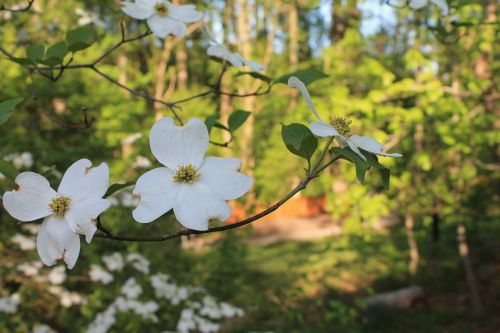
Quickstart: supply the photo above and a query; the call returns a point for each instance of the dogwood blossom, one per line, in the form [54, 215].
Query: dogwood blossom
[163, 17]
[419, 4]
[67, 212]
[233, 58]
[341, 128]
[194, 186]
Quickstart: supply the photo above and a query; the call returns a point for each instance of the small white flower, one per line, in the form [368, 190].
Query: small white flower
[30, 268]
[57, 275]
[194, 186]
[139, 262]
[141, 162]
[67, 212]
[99, 274]
[25, 243]
[131, 289]
[9, 304]
[341, 130]
[114, 262]
[419, 4]
[163, 17]
[233, 58]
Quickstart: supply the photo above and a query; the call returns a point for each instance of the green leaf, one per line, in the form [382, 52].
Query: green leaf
[8, 170]
[385, 175]
[117, 187]
[299, 140]
[220, 125]
[210, 121]
[349, 155]
[363, 166]
[58, 50]
[255, 75]
[6, 108]
[35, 52]
[307, 76]
[56, 53]
[236, 119]
[22, 61]
[79, 39]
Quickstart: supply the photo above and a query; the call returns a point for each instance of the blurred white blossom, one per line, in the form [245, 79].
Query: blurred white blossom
[114, 262]
[39, 328]
[31, 268]
[99, 274]
[131, 289]
[88, 17]
[57, 275]
[20, 160]
[10, 303]
[139, 262]
[141, 162]
[24, 242]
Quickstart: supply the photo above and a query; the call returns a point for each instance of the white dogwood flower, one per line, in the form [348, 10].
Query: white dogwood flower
[163, 17]
[235, 59]
[67, 212]
[419, 4]
[340, 129]
[194, 186]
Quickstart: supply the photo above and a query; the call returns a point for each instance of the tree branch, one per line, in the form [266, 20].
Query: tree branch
[17, 10]
[316, 170]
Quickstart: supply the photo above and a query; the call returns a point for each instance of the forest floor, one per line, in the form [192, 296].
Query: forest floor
[319, 285]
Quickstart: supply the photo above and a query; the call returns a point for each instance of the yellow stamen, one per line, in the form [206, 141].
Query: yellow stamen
[161, 9]
[342, 125]
[186, 174]
[59, 206]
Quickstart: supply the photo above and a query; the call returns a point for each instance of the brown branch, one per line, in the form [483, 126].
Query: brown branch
[86, 123]
[17, 10]
[316, 170]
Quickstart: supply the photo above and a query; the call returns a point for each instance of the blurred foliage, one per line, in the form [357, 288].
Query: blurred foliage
[425, 85]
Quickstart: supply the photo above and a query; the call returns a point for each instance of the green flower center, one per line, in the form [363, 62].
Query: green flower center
[186, 174]
[342, 125]
[59, 206]
[161, 9]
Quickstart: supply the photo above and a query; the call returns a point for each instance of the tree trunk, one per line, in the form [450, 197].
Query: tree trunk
[463, 250]
[293, 47]
[412, 244]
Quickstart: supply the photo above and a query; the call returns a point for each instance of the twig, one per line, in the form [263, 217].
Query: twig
[17, 10]
[105, 233]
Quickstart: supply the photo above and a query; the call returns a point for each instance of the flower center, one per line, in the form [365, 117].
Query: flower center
[59, 206]
[186, 174]
[342, 125]
[161, 9]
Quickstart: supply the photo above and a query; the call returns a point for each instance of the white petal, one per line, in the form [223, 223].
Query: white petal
[294, 82]
[31, 201]
[196, 204]
[443, 5]
[371, 145]
[220, 51]
[162, 26]
[56, 241]
[81, 181]
[417, 4]
[255, 66]
[353, 147]
[137, 10]
[157, 192]
[222, 176]
[82, 213]
[323, 130]
[174, 146]
[184, 13]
